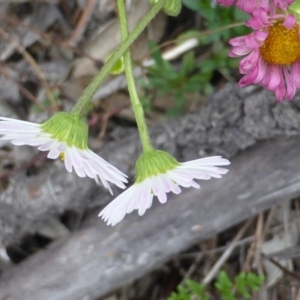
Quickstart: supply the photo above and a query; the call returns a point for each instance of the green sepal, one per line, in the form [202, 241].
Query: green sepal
[171, 7]
[295, 8]
[153, 163]
[69, 128]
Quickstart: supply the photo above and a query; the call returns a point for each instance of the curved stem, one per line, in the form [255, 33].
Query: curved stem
[134, 98]
[83, 102]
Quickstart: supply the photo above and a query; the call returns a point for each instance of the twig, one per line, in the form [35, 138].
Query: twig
[284, 254]
[216, 250]
[246, 267]
[215, 269]
[285, 270]
[269, 222]
[286, 228]
[242, 242]
[81, 25]
[192, 268]
[33, 64]
[258, 243]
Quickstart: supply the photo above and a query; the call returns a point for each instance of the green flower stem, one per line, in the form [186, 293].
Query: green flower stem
[135, 101]
[82, 105]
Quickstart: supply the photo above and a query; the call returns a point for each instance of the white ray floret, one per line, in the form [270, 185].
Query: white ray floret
[83, 161]
[140, 195]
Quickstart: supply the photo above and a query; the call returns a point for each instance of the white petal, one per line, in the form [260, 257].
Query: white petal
[86, 163]
[88, 169]
[68, 160]
[73, 157]
[114, 212]
[62, 147]
[106, 184]
[174, 187]
[148, 201]
[54, 152]
[209, 161]
[47, 145]
[103, 169]
[77, 158]
[15, 121]
[110, 168]
[146, 196]
[158, 189]
[22, 132]
[80, 172]
[195, 185]
[135, 202]
[17, 129]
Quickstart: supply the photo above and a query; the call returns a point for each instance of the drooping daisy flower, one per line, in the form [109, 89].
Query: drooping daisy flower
[272, 55]
[64, 135]
[158, 173]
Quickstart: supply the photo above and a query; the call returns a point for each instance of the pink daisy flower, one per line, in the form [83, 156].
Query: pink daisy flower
[272, 55]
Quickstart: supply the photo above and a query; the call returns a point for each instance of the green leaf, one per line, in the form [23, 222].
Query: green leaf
[241, 285]
[197, 288]
[192, 4]
[181, 294]
[224, 285]
[188, 63]
[247, 282]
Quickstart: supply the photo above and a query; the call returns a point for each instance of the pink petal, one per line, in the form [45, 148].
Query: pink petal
[289, 22]
[273, 77]
[247, 63]
[295, 73]
[290, 86]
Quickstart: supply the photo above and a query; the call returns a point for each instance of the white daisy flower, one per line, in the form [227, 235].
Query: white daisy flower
[158, 173]
[64, 135]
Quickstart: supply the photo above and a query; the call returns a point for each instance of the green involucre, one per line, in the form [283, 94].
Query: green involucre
[153, 163]
[69, 128]
[171, 7]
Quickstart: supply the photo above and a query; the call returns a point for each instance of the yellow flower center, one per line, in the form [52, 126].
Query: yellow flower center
[62, 156]
[281, 46]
